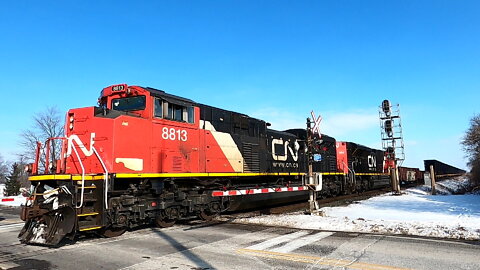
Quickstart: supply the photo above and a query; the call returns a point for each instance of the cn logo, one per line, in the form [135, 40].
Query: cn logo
[287, 149]
[74, 138]
[372, 162]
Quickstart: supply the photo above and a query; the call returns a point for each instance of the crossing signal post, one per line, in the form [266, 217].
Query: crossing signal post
[313, 181]
[392, 140]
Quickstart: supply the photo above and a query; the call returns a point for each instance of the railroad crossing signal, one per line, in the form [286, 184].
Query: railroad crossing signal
[316, 125]
[313, 181]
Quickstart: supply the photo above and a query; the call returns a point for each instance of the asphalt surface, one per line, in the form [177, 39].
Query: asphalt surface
[223, 245]
[9, 215]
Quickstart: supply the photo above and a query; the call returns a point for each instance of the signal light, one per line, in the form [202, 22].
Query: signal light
[389, 128]
[386, 107]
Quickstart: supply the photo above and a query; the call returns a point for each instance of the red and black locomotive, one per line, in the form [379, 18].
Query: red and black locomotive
[144, 156]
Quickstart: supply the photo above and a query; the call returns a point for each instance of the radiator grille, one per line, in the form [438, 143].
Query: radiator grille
[251, 157]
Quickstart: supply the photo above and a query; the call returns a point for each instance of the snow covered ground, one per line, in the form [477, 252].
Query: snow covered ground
[413, 213]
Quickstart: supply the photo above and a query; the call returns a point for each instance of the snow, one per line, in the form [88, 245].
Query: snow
[415, 212]
[17, 201]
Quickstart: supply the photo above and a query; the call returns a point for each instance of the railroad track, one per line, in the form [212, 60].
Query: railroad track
[299, 206]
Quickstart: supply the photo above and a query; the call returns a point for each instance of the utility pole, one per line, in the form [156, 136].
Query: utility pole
[432, 178]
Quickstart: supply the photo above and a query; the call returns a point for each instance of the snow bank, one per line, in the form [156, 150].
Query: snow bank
[413, 213]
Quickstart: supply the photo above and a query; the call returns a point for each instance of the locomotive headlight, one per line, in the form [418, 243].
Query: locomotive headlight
[71, 119]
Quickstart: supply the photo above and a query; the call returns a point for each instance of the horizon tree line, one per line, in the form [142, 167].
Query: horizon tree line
[46, 124]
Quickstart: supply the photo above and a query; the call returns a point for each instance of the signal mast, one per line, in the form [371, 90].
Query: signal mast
[392, 140]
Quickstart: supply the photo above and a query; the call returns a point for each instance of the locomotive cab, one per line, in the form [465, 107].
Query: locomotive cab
[135, 131]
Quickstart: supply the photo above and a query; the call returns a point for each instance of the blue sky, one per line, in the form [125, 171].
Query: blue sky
[275, 60]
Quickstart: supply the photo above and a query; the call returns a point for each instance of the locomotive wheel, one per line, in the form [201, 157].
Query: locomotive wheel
[206, 215]
[112, 232]
[164, 222]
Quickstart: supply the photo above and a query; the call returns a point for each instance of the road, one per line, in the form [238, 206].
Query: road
[222, 245]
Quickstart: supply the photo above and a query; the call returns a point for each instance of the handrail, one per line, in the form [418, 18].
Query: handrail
[37, 158]
[106, 176]
[83, 177]
[353, 173]
[63, 165]
[47, 153]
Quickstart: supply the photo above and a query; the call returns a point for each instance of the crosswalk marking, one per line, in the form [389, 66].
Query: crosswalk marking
[278, 240]
[300, 242]
[280, 248]
[13, 226]
[315, 260]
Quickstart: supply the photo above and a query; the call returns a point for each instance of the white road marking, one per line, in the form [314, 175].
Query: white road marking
[8, 265]
[278, 240]
[302, 241]
[11, 226]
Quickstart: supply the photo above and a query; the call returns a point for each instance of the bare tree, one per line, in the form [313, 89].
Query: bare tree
[471, 145]
[46, 124]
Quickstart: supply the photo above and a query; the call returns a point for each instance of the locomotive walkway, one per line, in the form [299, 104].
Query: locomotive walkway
[219, 245]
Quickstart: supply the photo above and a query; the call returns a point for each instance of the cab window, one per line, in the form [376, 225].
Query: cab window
[172, 111]
[158, 108]
[136, 103]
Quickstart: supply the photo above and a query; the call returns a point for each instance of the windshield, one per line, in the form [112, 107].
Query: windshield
[129, 104]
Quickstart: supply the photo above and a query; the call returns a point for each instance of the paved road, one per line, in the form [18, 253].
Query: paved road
[9, 215]
[235, 246]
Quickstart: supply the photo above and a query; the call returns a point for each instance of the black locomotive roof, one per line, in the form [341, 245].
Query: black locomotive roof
[169, 97]
[302, 134]
[280, 133]
[188, 102]
[363, 147]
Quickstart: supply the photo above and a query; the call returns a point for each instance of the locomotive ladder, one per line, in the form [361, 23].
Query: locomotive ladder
[351, 176]
[89, 216]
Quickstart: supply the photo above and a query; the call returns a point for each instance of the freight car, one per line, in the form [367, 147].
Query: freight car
[442, 170]
[145, 156]
[410, 176]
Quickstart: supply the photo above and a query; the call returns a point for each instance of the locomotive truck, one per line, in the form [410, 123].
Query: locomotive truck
[144, 156]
